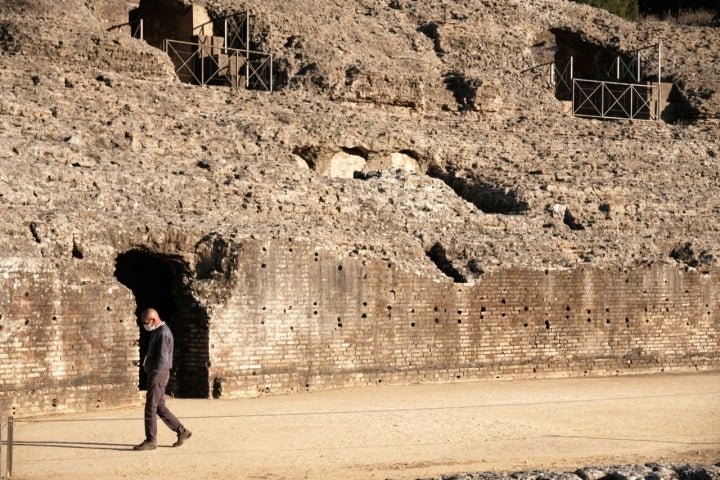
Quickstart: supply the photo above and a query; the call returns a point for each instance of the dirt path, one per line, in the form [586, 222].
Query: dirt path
[392, 432]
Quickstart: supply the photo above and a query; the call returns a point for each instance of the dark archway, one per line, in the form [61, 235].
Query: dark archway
[157, 282]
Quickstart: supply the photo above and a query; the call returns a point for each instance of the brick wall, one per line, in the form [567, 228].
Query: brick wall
[306, 319]
[66, 343]
[292, 317]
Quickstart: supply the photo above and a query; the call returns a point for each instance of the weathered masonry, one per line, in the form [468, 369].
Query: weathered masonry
[281, 316]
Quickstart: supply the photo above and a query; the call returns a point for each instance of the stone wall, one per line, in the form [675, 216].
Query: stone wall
[301, 318]
[68, 343]
[286, 316]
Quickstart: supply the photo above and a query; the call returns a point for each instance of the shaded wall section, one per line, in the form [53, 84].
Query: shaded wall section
[157, 281]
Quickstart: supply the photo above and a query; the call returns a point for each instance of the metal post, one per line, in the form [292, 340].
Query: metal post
[617, 68]
[247, 33]
[10, 447]
[271, 75]
[2, 475]
[572, 69]
[657, 119]
[637, 75]
[225, 42]
[202, 64]
[142, 31]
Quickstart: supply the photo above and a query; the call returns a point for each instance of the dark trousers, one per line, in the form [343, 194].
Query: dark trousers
[155, 406]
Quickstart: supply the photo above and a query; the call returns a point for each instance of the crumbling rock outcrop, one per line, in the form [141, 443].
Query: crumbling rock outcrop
[404, 134]
[649, 471]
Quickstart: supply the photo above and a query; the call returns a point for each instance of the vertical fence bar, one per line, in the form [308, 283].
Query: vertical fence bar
[659, 90]
[271, 74]
[9, 448]
[247, 32]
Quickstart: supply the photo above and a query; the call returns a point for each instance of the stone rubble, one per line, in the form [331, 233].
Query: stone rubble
[649, 471]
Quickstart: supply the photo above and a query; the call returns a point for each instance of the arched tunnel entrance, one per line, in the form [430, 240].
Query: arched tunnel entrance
[157, 282]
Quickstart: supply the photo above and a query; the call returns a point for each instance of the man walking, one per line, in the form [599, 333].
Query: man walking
[157, 365]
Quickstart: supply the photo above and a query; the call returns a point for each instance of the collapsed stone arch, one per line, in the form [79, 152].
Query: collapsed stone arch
[157, 281]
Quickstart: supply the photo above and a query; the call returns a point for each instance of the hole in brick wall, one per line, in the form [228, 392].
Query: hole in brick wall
[438, 256]
[547, 325]
[412, 324]
[157, 281]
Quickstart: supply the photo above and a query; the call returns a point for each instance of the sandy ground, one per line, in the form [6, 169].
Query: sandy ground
[394, 432]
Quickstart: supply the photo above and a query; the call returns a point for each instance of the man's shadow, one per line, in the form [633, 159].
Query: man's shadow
[80, 445]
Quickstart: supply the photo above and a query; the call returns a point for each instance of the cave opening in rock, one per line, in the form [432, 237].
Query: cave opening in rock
[157, 281]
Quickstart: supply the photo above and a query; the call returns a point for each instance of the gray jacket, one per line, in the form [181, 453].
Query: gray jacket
[160, 351]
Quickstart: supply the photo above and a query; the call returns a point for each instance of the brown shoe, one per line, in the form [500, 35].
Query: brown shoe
[182, 436]
[146, 445]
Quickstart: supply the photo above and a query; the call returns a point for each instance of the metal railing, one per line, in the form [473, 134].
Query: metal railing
[629, 69]
[607, 99]
[136, 28]
[558, 75]
[612, 100]
[206, 64]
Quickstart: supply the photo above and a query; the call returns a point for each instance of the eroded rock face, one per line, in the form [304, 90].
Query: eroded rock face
[99, 118]
[402, 132]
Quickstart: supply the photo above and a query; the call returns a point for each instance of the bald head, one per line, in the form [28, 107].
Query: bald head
[151, 318]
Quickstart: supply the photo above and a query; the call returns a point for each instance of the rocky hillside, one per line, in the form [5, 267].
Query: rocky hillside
[102, 148]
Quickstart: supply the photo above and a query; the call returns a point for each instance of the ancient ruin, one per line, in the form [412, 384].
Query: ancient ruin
[413, 202]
